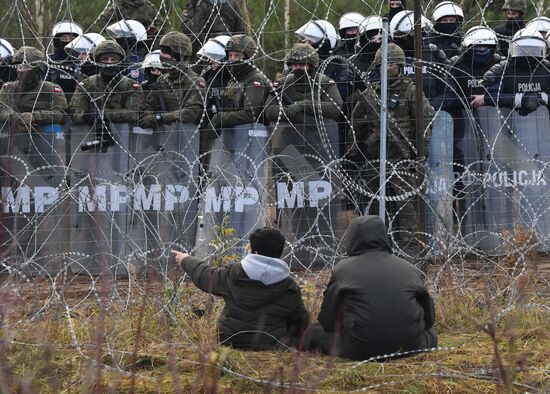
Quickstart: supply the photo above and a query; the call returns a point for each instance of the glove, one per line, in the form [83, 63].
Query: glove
[216, 122]
[529, 102]
[168, 117]
[147, 120]
[89, 118]
[23, 121]
[292, 110]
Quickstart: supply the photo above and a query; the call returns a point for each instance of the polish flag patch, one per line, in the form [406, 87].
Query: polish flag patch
[57, 89]
[258, 84]
[202, 84]
[136, 86]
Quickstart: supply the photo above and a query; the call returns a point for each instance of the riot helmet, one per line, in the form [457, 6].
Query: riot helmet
[83, 44]
[64, 29]
[214, 49]
[6, 50]
[480, 43]
[320, 34]
[402, 24]
[370, 34]
[127, 28]
[443, 11]
[527, 43]
[152, 66]
[541, 24]
[349, 20]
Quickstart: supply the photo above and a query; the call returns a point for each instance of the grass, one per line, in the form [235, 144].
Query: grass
[148, 335]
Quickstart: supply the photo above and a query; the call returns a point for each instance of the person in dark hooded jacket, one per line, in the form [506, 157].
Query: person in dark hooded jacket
[263, 305]
[375, 303]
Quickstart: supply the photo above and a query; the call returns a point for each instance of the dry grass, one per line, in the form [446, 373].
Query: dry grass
[145, 337]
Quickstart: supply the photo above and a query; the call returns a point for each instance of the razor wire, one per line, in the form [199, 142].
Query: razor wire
[291, 182]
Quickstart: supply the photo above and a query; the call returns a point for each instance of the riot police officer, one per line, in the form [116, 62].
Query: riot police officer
[62, 69]
[179, 94]
[401, 146]
[321, 35]
[211, 60]
[515, 10]
[541, 24]
[479, 49]
[369, 41]
[30, 101]
[434, 61]
[81, 49]
[107, 95]
[244, 97]
[448, 18]
[152, 68]
[131, 36]
[297, 89]
[521, 81]
[7, 70]
[348, 28]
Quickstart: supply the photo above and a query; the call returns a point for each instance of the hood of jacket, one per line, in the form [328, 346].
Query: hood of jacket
[366, 234]
[267, 270]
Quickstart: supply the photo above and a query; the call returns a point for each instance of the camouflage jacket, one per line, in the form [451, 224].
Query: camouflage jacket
[120, 100]
[177, 99]
[243, 100]
[46, 102]
[401, 125]
[300, 101]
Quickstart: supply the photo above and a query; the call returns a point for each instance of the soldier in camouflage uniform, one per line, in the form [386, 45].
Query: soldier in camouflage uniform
[515, 12]
[30, 101]
[244, 98]
[109, 94]
[142, 11]
[204, 19]
[401, 146]
[295, 91]
[179, 94]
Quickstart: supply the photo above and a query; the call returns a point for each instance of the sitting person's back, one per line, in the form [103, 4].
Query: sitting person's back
[263, 305]
[375, 303]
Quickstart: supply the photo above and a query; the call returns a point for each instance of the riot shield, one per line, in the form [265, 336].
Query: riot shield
[34, 231]
[164, 166]
[439, 220]
[528, 153]
[100, 194]
[306, 186]
[234, 198]
[487, 196]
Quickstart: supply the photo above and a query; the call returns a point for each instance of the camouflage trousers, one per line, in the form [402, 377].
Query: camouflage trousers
[401, 202]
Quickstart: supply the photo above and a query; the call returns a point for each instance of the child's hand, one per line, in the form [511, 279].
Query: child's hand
[179, 256]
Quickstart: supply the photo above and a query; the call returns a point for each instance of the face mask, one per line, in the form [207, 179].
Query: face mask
[29, 79]
[109, 72]
[527, 62]
[237, 66]
[371, 47]
[447, 28]
[481, 56]
[299, 73]
[406, 43]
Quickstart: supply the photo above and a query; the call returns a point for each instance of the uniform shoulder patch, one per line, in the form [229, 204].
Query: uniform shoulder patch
[136, 86]
[202, 84]
[57, 89]
[257, 84]
[134, 74]
[331, 81]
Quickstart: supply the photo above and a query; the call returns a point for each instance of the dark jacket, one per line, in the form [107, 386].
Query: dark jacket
[375, 300]
[259, 313]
